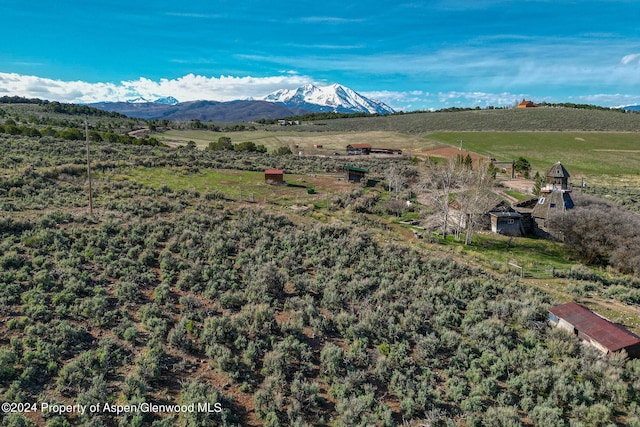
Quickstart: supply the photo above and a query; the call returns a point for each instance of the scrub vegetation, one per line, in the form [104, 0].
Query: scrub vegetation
[184, 293]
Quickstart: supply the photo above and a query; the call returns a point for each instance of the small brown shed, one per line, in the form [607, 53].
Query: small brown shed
[274, 176]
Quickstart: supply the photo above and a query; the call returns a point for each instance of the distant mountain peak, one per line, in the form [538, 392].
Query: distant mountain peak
[167, 100]
[282, 103]
[335, 97]
[138, 100]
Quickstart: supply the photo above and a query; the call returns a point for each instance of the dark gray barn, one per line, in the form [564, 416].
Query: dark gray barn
[555, 198]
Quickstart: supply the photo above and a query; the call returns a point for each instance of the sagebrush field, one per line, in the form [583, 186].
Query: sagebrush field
[194, 281]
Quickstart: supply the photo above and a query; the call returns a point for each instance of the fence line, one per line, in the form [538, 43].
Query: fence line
[536, 270]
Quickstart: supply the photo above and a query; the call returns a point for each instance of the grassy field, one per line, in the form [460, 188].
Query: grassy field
[588, 153]
[592, 155]
[534, 119]
[306, 141]
[534, 254]
[240, 185]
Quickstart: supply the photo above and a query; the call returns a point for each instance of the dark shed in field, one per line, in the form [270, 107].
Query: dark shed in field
[507, 223]
[274, 176]
[606, 336]
[355, 174]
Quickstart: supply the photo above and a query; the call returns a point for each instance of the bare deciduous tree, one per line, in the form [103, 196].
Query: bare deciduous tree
[439, 182]
[395, 179]
[473, 198]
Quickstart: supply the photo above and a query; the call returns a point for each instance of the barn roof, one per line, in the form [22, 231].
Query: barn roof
[610, 335]
[355, 169]
[553, 201]
[526, 204]
[508, 215]
[527, 104]
[359, 146]
[558, 171]
[273, 172]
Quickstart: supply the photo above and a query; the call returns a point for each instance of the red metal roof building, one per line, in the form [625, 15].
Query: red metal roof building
[594, 329]
[274, 176]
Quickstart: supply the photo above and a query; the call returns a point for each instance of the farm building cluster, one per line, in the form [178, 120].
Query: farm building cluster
[527, 217]
[366, 149]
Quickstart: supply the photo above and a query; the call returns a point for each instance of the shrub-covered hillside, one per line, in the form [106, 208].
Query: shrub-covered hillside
[170, 297]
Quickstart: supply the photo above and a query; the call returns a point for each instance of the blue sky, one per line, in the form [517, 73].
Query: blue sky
[408, 54]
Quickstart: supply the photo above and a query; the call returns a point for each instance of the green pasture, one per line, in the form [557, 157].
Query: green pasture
[534, 254]
[517, 195]
[583, 153]
[233, 184]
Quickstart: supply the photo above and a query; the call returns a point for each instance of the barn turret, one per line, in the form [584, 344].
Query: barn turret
[557, 178]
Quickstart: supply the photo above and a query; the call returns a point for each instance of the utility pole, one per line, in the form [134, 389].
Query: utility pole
[86, 129]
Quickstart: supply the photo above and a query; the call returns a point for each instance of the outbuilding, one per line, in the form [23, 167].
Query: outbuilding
[274, 176]
[593, 329]
[355, 174]
[508, 223]
[527, 104]
[358, 149]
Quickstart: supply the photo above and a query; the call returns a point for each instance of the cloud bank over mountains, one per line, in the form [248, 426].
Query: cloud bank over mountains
[186, 88]
[193, 87]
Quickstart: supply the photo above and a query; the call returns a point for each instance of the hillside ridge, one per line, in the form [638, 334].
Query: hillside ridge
[508, 120]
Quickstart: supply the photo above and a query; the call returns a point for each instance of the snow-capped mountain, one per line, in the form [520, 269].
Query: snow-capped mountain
[167, 100]
[279, 104]
[138, 100]
[334, 98]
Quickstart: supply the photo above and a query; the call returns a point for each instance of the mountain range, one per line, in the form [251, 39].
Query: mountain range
[279, 104]
[335, 98]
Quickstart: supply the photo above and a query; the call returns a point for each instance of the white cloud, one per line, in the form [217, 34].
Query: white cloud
[226, 88]
[186, 88]
[421, 100]
[330, 20]
[628, 59]
[607, 100]
[194, 15]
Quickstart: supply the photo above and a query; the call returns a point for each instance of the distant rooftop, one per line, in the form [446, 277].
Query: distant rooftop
[527, 104]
